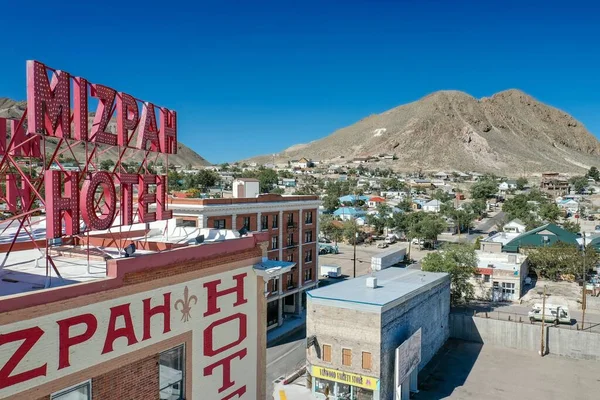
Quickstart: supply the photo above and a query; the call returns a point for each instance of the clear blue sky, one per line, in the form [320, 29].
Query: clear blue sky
[254, 77]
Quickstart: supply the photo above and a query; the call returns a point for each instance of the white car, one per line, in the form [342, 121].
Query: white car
[418, 241]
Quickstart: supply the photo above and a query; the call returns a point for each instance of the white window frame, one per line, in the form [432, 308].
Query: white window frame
[65, 391]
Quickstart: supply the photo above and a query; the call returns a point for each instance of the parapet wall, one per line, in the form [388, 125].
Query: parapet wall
[562, 342]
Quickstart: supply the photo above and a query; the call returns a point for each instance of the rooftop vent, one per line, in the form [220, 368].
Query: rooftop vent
[372, 282]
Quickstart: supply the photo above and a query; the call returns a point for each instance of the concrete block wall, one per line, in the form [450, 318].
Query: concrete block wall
[562, 342]
[515, 335]
[580, 345]
[428, 311]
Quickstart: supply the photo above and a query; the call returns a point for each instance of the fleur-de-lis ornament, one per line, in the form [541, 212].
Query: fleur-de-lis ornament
[186, 305]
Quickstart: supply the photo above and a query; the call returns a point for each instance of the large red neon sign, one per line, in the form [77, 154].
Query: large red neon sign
[58, 106]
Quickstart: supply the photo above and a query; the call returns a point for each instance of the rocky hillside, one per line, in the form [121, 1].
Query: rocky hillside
[510, 132]
[12, 109]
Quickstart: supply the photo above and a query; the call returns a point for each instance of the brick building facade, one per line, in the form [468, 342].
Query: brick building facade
[291, 223]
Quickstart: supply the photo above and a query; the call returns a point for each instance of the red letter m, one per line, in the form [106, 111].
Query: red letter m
[48, 104]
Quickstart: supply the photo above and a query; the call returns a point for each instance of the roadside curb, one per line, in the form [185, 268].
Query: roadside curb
[294, 376]
[282, 338]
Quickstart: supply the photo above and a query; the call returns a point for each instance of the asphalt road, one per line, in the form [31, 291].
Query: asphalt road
[285, 358]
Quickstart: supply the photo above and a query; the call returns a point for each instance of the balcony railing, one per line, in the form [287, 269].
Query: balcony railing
[291, 285]
[292, 225]
[291, 244]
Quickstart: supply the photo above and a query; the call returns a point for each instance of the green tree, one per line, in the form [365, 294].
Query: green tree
[107, 165]
[458, 260]
[206, 179]
[572, 227]
[484, 189]
[393, 184]
[376, 222]
[579, 183]
[268, 179]
[561, 260]
[350, 229]
[277, 190]
[549, 212]
[331, 203]
[521, 183]
[442, 196]
[594, 174]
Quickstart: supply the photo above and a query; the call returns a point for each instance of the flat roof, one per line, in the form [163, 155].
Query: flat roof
[25, 268]
[501, 237]
[394, 286]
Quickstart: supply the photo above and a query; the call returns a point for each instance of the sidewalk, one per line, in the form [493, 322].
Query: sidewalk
[294, 391]
[290, 326]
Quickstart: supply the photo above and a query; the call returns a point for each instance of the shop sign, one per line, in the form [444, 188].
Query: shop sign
[365, 382]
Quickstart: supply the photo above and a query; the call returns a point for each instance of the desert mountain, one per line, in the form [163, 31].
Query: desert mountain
[510, 132]
[12, 109]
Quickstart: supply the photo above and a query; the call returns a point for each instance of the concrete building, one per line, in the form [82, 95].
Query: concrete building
[495, 243]
[168, 320]
[515, 226]
[354, 328]
[291, 223]
[500, 276]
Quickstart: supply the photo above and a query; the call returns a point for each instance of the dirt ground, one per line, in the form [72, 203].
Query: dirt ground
[472, 371]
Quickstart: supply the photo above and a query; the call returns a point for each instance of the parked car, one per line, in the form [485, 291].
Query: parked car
[324, 240]
[390, 239]
[382, 245]
[330, 271]
[492, 233]
[418, 241]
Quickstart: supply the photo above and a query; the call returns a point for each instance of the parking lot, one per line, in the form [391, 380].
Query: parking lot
[469, 371]
[363, 257]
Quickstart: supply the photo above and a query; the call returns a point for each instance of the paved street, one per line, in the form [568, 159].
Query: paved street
[285, 358]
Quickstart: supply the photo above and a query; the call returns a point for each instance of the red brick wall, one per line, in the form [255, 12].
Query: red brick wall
[138, 380]
[211, 221]
[311, 265]
[313, 225]
[271, 230]
[239, 222]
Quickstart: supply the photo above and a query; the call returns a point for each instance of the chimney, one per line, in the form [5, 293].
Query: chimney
[372, 282]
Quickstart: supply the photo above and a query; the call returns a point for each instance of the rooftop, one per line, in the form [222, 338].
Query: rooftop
[501, 237]
[394, 286]
[499, 260]
[87, 257]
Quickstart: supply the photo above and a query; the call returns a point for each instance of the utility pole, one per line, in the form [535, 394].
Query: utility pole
[583, 290]
[354, 258]
[543, 321]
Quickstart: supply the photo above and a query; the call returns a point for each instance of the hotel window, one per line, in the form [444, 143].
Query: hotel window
[308, 237]
[274, 242]
[290, 257]
[290, 239]
[326, 353]
[172, 374]
[308, 275]
[219, 224]
[366, 360]
[290, 220]
[182, 222]
[264, 222]
[275, 221]
[246, 223]
[347, 357]
[486, 278]
[82, 391]
[308, 256]
[308, 219]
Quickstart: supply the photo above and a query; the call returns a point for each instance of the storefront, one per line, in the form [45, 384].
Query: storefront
[339, 385]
